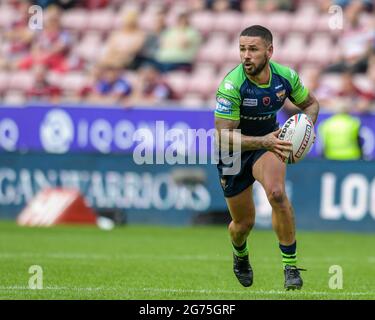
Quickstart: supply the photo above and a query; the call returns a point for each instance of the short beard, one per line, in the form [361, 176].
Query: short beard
[259, 68]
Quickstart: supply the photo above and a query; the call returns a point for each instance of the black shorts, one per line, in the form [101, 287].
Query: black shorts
[235, 184]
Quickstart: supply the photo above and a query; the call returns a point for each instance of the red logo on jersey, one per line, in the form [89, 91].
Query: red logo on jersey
[266, 101]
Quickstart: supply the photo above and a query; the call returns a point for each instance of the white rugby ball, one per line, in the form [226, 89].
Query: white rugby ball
[299, 130]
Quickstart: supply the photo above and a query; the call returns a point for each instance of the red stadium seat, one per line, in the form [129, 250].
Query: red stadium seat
[147, 21]
[363, 82]
[4, 79]
[280, 22]
[292, 51]
[14, 98]
[203, 21]
[320, 50]
[75, 19]
[225, 68]
[92, 37]
[54, 78]
[304, 24]
[201, 83]
[229, 22]
[193, 101]
[205, 67]
[174, 11]
[21, 80]
[102, 20]
[178, 81]
[323, 24]
[254, 18]
[89, 49]
[7, 16]
[73, 81]
[233, 53]
[214, 50]
[332, 81]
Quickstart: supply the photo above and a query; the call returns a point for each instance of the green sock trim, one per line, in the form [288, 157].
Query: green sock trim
[240, 253]
[288, 255]
[289, 259]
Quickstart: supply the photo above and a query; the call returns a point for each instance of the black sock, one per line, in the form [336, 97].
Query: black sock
[240, 251]
[289, 254]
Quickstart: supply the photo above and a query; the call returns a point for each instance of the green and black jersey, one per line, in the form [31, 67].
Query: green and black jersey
[239, 98]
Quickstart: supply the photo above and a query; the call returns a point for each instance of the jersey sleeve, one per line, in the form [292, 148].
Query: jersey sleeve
[299, 91]
[228, 101]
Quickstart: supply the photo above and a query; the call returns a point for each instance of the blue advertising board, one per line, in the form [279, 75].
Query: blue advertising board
[62, 130]
[326, 195]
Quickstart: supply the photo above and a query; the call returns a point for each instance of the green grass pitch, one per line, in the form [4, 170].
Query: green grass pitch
[194, 263]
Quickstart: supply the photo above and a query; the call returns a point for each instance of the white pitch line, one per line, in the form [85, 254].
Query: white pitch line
[182, 291]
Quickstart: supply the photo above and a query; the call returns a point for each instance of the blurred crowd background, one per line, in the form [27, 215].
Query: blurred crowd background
[176, 52]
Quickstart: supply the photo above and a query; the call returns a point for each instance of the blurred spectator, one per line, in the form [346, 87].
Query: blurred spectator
[123, 46]
[276, 5]
[52, 44]
[64, 4]
[42, 89]
[18, 36]
[371, 69]
[67, 4]
[268, 6]
[151, 88]
[152, 42]
[359, 99]
[355, 42]
[368, 5]
[324, 5]
[223, 5]
[110, 87]
[197, 5]
[179, 46]
[44, 3]
[325, 94]
[94, 4]
[340, 135]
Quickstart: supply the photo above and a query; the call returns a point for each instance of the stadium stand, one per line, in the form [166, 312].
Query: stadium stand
[92, 32]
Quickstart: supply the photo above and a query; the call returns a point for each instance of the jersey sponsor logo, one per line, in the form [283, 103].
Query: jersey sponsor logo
[247, 102]
[258, 118]
[266, 101]
[228, 85]
[223, 109]
[281, 95]
[224, 101]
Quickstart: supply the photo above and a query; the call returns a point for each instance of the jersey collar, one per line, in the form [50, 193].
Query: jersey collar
[267, 85]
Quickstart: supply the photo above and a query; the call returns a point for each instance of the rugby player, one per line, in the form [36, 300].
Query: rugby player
[248, 99]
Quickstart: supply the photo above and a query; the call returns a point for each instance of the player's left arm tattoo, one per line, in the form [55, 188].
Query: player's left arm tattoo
[310, 106]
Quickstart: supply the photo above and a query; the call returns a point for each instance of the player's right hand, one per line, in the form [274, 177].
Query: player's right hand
[280, 148]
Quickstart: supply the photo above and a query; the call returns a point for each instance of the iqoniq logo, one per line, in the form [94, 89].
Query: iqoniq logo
[56, 131]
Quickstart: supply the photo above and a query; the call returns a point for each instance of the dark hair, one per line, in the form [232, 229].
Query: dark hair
[258, 31]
